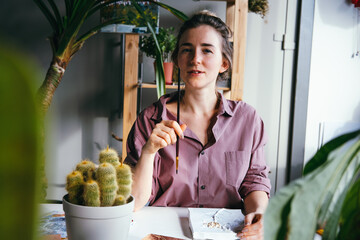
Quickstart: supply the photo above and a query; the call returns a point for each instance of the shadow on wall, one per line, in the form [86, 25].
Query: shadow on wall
[101, 107]
[329, 8]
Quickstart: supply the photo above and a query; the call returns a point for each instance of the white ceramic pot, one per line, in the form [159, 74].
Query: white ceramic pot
[96, 223]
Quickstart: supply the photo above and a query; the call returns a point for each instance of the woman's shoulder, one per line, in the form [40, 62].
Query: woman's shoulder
[240, 107]
[155, 110]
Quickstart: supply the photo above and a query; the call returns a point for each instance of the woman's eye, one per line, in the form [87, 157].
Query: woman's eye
[207, 51]
[185, 50]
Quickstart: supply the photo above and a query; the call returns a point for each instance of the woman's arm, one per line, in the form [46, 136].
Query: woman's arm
[255, 205]
[162, 135]
[142, 180]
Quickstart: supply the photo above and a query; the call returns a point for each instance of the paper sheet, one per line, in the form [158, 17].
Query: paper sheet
[215, 223]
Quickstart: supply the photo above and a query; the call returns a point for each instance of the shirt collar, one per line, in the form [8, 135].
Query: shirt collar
[224, 106]
[160, 112]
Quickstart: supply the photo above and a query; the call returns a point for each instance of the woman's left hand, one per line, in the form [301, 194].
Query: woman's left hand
[253, 227]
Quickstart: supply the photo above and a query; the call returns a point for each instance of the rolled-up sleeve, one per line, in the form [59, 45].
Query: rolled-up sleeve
[256, 178]
[134, 144]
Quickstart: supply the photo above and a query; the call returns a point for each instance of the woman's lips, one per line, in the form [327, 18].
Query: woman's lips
[195, 72]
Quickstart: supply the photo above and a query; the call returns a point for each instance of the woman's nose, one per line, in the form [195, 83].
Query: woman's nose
[195, 58]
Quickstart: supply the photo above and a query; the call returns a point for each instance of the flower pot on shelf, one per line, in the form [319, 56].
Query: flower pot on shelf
[94, 223]
[168, 72]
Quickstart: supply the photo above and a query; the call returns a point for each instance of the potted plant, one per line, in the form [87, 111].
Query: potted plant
[325, 200]
[167, 43]
[98, 204]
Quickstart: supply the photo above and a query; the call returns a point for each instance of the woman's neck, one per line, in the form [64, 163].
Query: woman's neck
[200, 102]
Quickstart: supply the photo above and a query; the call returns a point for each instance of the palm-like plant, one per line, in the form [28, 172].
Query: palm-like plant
[65, 40]
[326, 198]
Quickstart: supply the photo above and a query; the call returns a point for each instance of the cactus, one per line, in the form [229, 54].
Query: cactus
[91, 194]
[124, 180]
[119, 200]
[109, 155]
[107, 185]
[74, 186]
[106, 176]
[87, 169]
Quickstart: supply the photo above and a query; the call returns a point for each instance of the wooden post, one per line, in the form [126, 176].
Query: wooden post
[240, 11]
[130, 85]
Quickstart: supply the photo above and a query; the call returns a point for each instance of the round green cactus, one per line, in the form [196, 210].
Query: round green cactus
[91, 194]
[109, 155]
[119, 200]
[106, 178]
[87, 169]
[109, 184]
[124, 180]
[74, 186]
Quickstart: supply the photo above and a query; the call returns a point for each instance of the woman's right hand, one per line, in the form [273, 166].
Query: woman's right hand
[163, 134]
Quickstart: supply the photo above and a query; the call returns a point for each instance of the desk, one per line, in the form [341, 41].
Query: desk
[167, 221]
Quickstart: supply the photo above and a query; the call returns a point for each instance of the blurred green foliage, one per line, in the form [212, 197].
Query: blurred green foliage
[326, 198]
[19, 147]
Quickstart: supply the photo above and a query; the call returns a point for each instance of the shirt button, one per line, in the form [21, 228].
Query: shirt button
[202, 152]
[203, 187]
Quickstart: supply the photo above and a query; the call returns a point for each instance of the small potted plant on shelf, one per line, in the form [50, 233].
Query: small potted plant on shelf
[98, 204]
[167, 43]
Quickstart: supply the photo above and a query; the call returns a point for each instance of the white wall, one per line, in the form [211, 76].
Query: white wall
[334, 88]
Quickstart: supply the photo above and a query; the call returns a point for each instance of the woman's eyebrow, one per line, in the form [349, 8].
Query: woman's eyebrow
[186, 44]
[207, 45]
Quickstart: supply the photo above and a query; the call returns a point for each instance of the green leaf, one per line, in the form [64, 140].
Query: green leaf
[95, 29]
[350, 214]
[20, 137]
[80, 10]
[47, 14]
[159, 76]
[321, 156]
[68, 7]
[318, 184]
[334, 210]
[340, 182]
[276, 215]
[57, 14]
[159, 70]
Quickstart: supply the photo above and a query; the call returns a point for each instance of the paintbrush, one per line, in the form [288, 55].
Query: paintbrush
[178, 120]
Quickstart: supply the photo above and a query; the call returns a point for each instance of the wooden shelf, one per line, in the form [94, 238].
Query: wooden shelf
[174, 86]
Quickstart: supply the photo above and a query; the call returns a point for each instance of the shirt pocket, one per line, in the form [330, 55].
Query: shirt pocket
[237, 165]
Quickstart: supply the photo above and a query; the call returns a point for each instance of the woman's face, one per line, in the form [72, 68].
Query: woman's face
[200, 57]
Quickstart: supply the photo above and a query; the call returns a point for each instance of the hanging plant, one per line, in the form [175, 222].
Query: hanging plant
[259, 7]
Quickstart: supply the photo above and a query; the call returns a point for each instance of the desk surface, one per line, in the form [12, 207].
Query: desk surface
[169, 221]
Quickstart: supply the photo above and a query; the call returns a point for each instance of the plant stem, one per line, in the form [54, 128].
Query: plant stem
[50, 84]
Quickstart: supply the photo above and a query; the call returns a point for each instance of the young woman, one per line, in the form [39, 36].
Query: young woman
[221, 159]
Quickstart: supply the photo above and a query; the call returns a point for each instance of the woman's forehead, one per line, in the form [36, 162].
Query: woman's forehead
[202, 35]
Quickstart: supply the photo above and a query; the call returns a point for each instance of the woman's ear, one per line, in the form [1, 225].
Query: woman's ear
[224, 66]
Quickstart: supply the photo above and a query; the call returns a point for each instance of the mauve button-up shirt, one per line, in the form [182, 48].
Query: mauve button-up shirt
[219, 174]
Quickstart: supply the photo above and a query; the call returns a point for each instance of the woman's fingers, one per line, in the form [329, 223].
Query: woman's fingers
[179, 130]
[164, 134]
[253, 227]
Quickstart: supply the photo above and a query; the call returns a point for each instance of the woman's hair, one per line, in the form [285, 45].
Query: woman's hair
[206, 17]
